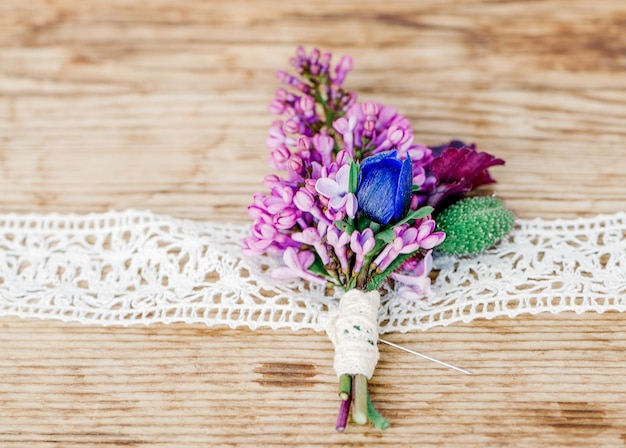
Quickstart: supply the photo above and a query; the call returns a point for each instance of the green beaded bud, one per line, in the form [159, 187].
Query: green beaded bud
[474, 224]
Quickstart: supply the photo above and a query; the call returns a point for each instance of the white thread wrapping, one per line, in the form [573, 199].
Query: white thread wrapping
[353, 329]
[128, 268]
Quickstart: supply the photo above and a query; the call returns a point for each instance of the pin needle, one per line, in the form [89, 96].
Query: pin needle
[450, 366]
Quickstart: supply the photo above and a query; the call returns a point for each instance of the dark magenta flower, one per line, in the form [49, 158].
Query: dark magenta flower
[384, 187]
[457, 168]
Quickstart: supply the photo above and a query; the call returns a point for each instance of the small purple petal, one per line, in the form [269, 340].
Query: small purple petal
[351, 205]
[343, 178]
[328, 187]
[283, 273]
[433, 240]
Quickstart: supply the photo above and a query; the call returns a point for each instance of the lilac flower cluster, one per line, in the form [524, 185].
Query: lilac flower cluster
[355, 205]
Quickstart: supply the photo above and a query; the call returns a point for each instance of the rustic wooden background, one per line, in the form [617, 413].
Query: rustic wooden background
[161, 105]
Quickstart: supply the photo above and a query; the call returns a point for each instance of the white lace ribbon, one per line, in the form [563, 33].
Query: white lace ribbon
[123, 268]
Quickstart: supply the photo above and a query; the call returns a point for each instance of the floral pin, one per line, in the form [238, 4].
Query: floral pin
[362, 207]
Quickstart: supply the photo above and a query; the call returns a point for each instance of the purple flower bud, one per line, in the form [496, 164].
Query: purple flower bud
[371, 109]
[342, 69]
[325, 61]
[433, 240]
[282, 76]
[303, 144]
[419, 175]
[338, 240]
[307, 236]
[253, 246]
[343, 158]
[397, 135]
[277, 107]
[279, 157]
[275, 138]
[324, 145]
[292, 126]
[312, 237]
[271, 180]
[284, 192]
[264, 231]
[295, 163]
[307, 104]
[309, 184]
[361, 244]
[420, 154]
[386, 256]
[282, 95]
[351, 205]
[255, 212]
[416, 278]
[346, 127]
[341, 125]
[345, 64]
[426, 237]
[286, 219]
[408, 241]
[300, 53]
[302, 87]
[315, 55]
[297, 265]
[304, 200]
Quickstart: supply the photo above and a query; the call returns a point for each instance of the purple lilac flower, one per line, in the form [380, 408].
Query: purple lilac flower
[314, 237]
[426, 237]
[266, 238]
[342, 70]
[336, 190]
[405, 242]
[414, 276]
[361, 244]
[345, 127]
[371, 128]
[316, 69]
[339, 240]
[325, 145]
[296, 265]
[292, 81]
[408, 240]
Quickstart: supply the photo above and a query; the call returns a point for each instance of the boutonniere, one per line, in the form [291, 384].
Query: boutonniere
[363, 207]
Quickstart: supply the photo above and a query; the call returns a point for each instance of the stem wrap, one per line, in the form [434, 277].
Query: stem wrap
[353, 329]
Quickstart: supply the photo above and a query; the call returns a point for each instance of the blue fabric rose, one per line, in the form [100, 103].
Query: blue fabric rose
[385, 187]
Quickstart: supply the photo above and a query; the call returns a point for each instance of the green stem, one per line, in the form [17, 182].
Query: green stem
[328, 113]
[362, 278]
[342, 416]
[345, 386]
[374, 416]
[359, 411]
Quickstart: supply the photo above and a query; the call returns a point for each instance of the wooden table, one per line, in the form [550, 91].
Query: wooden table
[161, 105]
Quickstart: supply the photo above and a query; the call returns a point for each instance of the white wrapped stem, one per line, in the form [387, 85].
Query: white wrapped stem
[353, 329]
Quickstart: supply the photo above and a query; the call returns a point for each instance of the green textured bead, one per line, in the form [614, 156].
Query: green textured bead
[473, 225]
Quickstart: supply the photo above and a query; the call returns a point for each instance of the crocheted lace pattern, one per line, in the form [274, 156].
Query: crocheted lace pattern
[133, 267]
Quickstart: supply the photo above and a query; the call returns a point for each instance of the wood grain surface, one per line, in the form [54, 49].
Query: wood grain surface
[162, 105]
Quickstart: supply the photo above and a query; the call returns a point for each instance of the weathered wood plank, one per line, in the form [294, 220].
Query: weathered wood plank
[161, 105]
